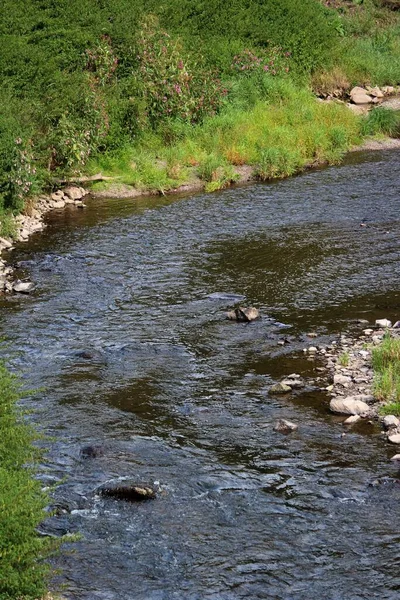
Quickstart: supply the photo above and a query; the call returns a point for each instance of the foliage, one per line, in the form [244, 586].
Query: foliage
[381, 120]
[173, 84]
[23, 573]
[344, 359]
[386, 365]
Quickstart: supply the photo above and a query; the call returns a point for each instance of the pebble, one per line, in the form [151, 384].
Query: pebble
[351, 420]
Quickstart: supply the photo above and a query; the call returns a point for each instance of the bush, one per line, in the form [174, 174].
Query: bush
[173, 85]
[277, 162]
[23, 573]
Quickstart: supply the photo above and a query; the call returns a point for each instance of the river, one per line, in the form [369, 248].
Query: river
[126, 343]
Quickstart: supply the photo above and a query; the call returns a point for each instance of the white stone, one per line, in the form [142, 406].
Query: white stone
[58, 204]
[394, 439]
[368, 331]
[383, 323]
[349, 406]
[5, 243]
[312, 350]
[23, 287]
[361, 99]
[390, 421]
[341, 379]
[351, 420]
[396, 458]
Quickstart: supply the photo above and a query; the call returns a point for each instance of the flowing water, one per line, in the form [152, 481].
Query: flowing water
[126, 341]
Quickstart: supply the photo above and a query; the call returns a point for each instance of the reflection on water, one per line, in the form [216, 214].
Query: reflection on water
[126, 338]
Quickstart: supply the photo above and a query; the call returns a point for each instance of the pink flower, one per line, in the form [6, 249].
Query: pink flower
[180, 64]
[266, 68]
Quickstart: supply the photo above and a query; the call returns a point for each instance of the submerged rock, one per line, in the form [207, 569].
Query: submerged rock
[351, 420]
[243, 314]
[126, 489]
[349, 406]
[284, 426]
[280, 388]
[91, 451]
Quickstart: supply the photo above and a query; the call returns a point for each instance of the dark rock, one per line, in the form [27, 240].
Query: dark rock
[91, 451]
[125, 489]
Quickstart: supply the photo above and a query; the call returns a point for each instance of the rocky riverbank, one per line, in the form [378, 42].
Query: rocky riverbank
[349, 375]
[30, 222]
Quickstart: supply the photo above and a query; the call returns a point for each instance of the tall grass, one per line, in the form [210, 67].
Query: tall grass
[282, 132]
[386, 364]
[23, 572]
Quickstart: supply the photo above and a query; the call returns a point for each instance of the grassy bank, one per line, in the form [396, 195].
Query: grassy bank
[278, 134]
[386, 365]
[23, 571]
[157, 93]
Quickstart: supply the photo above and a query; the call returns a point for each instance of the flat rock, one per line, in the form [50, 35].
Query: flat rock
[5, 243]
[394, 439]
[349, 406]
[396, 458]
[58, 204]
[280, 388]
[284, 426]
[351, 420]
[125, 489]
[341, 379]
[383, 323]
[23, 287]
[293, 383]
[361, 99]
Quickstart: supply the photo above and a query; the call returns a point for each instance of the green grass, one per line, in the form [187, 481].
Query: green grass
[279, 134]
[23, 572]
[344, 359]
[386, 365]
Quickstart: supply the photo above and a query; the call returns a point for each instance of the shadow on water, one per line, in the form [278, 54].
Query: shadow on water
[126, 337]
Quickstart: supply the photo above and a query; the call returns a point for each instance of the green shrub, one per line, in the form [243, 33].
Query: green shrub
[23, 572]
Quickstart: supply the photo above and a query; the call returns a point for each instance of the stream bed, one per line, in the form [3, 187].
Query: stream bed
[126, 343]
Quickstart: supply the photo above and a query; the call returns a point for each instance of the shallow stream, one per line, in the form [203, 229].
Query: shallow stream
[126, 341]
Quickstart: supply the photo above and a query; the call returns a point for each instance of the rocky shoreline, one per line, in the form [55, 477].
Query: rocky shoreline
[31, 222]
[349, 373]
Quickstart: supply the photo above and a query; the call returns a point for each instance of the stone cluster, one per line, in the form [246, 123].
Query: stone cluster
[31, 222]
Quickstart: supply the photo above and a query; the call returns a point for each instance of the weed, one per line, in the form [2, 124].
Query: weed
[344, 359]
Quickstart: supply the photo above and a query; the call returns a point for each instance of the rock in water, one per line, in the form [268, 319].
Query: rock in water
[284, 426]
[394, 439]
[243, 314]
[280, 388]
[383, 323]
[23, 287]
[349, 406]
[125, 489]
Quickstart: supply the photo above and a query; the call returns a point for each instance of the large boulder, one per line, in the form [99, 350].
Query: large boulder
[359, 95]
[349, 406]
